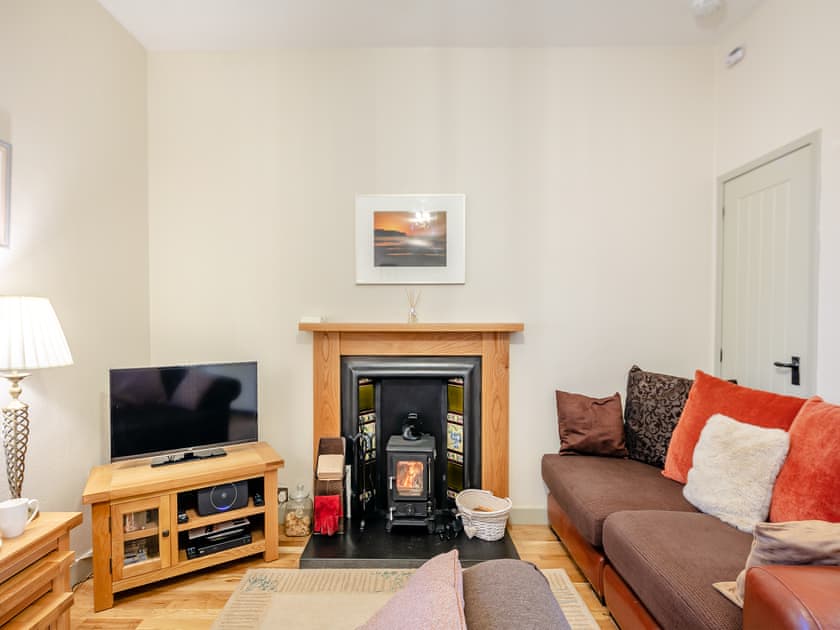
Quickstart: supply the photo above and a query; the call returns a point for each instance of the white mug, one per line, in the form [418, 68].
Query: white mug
[15, 515]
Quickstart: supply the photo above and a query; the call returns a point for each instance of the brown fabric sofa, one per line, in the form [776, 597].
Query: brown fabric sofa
[652, 557]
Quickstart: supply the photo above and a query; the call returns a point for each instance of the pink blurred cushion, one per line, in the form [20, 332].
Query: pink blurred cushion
[433, 598]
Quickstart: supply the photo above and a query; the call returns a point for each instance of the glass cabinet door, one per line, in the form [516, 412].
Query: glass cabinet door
[140, 537]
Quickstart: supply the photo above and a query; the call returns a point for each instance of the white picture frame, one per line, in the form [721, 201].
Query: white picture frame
[5, 191]
[434, 254]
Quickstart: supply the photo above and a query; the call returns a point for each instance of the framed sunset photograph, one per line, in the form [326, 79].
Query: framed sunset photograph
[410, 239]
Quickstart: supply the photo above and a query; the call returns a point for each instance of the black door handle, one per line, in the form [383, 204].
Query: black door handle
[794, 369]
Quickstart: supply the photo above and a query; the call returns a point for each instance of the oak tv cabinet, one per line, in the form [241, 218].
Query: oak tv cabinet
[137, 536]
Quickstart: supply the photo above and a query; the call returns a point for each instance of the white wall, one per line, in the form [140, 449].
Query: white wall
[73, 105]
[588, 174]
[788, 86]
[589, 183]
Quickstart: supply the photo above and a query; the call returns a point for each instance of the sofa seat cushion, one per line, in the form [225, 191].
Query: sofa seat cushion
[590, 488]
[671, 559]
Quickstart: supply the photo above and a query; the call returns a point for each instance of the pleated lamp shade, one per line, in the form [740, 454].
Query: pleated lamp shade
[30, 335]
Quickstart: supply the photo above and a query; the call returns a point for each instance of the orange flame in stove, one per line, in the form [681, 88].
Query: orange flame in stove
[410, 478]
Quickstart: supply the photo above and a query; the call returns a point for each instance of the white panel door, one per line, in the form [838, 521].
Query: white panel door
[768, 300]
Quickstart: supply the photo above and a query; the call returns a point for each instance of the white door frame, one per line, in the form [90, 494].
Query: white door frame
[814, 139]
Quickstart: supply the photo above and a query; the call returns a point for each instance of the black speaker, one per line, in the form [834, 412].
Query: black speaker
[228, 496]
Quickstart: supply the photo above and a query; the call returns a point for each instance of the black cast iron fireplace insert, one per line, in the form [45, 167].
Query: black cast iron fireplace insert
[442, 395]
[377, 394]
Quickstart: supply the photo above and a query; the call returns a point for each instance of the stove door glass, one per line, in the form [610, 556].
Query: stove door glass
[409, 478]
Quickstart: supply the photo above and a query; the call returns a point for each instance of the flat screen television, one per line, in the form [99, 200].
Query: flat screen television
[185, 409]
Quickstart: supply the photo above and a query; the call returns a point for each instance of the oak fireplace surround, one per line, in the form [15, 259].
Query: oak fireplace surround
[489, 341]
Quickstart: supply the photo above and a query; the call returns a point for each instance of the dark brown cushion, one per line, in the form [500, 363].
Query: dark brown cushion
[651, 410]
[591, 426]
[589, 489]
[671, 559]
[504, 594]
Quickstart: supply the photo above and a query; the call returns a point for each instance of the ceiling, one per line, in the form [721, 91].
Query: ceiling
[265, 24]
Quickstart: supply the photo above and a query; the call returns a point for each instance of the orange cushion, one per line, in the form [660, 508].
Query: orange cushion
[710, 395]
[808, 487]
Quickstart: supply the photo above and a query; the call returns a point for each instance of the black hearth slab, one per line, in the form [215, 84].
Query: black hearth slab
[405, 547]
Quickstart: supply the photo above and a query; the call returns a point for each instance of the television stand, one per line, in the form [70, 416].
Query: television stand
[177, 458]
[142, 516]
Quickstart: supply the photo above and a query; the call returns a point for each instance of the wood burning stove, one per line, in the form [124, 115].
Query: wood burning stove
[411, 481]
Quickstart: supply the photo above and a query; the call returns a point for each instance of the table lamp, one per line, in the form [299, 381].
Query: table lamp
[30, 338]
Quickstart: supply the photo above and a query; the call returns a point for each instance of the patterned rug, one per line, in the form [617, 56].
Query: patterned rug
[297, 598]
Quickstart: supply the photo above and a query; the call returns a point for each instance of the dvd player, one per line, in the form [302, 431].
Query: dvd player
[218, 529]
[197, 551]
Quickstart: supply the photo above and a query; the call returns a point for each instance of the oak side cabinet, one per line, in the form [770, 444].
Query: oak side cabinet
[137, 535]
[35, 574]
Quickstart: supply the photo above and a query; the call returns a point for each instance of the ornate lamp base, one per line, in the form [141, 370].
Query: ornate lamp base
[15, 435]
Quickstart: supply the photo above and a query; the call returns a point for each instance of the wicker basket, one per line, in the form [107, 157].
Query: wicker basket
[483, 524]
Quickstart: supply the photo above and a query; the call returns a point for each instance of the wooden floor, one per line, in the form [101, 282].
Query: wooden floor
[193, 602]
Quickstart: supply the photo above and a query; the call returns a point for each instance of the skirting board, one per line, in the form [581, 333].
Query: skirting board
[81, 569]
[528, 516]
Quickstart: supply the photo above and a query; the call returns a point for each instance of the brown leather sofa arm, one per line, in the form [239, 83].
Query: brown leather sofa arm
[792, 597]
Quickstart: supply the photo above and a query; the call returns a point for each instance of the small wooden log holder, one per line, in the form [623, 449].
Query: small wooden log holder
[330, 446]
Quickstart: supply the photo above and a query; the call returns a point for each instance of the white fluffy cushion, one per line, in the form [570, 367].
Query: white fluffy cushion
[734, 468]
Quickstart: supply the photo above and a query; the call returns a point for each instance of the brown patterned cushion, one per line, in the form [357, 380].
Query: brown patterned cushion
[651, 410]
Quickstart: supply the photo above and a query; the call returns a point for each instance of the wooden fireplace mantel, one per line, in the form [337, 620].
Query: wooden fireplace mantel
[490, 341]
[392, 327]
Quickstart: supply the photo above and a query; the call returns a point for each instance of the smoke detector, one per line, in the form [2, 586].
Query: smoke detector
[703, 8]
